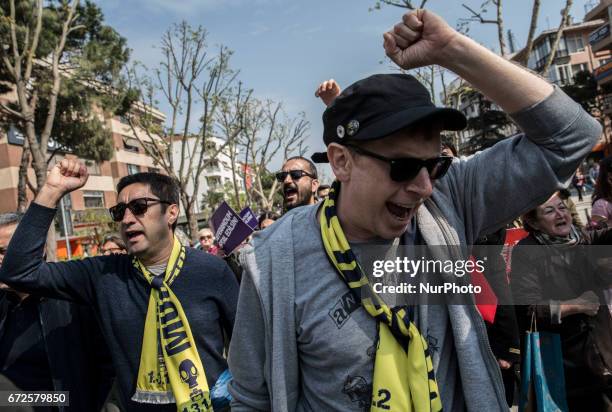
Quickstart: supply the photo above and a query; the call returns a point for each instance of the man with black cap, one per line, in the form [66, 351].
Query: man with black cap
[310, 332]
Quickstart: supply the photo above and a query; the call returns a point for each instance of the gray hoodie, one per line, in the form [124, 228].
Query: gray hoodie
[299, 342]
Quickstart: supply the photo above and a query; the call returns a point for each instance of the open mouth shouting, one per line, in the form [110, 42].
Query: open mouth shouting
[290, 193]
[134, 236]
[401, 211]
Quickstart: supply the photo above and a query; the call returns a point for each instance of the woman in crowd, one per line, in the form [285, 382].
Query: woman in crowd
[578, 183]
[112, 245]
[555, 279]
[602, 197]
[266, 219]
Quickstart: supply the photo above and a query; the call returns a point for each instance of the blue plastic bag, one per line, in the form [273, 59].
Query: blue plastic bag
[219, 394]
[542, 377]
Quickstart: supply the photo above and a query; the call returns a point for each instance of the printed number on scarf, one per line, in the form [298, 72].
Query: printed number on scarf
[194, 407]
[382, 400]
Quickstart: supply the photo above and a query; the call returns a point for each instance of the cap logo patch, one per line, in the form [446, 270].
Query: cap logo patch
[352, 127]
[340, 131]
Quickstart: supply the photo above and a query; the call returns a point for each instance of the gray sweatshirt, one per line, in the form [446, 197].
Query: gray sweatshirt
[300, 343]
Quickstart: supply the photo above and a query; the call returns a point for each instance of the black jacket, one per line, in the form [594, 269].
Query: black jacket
[543, 275]
[503, 333]
[78, 358]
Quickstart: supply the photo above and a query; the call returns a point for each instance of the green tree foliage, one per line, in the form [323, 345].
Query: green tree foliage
[92, 59]
[584, 91]
[489, 126]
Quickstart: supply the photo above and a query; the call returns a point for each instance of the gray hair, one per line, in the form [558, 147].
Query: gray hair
[10, 218]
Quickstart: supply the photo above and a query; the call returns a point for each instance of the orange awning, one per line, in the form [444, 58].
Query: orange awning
[599, 147]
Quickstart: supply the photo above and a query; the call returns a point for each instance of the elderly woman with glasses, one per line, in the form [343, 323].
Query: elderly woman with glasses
[112, 245]
[557, 282]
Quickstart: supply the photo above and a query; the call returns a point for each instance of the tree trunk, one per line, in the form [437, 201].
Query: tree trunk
[553, 50]
[500, 29]
[22, 186]
[535, 12]
[193, 226]
[190, 215]
[432, 86]
[444, 87]
[39, 164]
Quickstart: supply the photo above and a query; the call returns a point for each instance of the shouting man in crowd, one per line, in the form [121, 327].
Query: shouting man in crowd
[165, 310]
[298, 178]
[311, 333]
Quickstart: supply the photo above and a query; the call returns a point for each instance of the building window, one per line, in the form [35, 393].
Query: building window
[565, 73]
[153, 170]
[577, 68]
[213, 182]
[574, 43]
[131, 145]
[93, 199]
[604, 61]
[542, 51]
[92, 167]
[133, 169]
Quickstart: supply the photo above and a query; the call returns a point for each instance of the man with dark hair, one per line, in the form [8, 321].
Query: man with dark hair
[162, 186]
[299, 179]
[312, 331]
[165, 310]
[323, 191]
[448, 148]
[36, 336]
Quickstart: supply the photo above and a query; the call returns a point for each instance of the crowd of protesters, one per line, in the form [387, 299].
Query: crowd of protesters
[290, 321]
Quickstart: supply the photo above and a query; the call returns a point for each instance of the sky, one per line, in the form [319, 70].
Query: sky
[285, 48]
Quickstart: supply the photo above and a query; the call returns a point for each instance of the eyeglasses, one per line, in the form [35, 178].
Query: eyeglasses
[407, 168]
[295, 175]
[111, 250]
[206, 237]
[138, 207]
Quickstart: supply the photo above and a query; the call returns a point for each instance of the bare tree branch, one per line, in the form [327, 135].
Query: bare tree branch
[535, 12]
[558, 35]
[35, 39]
[499, 21]
[57, 78]
[12, 112]
[478, 16]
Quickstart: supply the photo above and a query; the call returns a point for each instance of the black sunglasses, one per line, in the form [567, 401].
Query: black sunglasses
[407, 168]
[295, 175]
[137, 206]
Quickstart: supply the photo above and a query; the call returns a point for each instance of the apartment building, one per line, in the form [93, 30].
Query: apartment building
[87, 207]
[600, 40]
[217, 176]
[574, 54]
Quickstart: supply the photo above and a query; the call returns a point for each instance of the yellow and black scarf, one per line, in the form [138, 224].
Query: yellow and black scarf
[404, 379]
[170, 367]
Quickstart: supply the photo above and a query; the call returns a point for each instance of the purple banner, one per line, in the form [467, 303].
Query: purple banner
[248, 216]
[229, 229]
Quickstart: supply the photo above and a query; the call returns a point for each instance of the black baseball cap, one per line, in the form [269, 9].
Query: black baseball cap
[379, 105]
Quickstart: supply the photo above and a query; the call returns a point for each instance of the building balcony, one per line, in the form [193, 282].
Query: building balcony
[600, 38]
[598, 11]
[603, 74]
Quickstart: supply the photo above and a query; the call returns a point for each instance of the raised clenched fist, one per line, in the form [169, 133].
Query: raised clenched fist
[328, 91]
[420, 39]
[67, 176]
